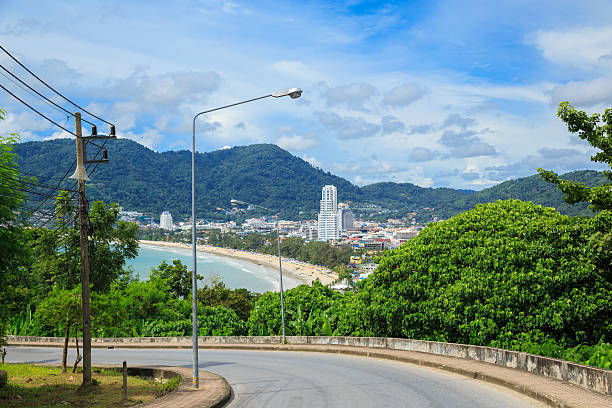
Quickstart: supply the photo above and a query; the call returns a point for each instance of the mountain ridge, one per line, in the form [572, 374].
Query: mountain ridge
[141, 179]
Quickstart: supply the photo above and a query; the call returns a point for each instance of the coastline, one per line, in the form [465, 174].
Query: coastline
[298, 270]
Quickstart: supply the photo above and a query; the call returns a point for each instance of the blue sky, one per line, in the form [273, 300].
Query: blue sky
[458, 94]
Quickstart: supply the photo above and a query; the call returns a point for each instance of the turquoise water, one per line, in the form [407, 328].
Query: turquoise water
[235, 273]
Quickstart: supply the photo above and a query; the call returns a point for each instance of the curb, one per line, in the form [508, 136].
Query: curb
[482, 371]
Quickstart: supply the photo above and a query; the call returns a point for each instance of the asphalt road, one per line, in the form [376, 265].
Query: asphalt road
[301, 379]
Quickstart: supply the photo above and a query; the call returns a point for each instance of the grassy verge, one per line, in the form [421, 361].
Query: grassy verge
[35, 386]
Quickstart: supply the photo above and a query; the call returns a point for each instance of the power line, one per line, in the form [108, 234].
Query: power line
[44, 98]
[34, 109]
[31, 183]
[50, 87]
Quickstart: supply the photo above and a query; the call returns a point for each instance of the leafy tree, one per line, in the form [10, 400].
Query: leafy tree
[300, 303]
[503, 274]
[58, 250]
[61, 309]
[241, 301]
[178, 277]
[597, 130]
[11, 235]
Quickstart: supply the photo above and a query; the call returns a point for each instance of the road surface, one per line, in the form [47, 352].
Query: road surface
[301, 379]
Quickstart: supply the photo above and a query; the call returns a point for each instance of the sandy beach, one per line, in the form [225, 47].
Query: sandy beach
[301, 271]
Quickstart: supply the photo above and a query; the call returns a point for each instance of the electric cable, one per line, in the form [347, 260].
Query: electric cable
[35, 93]
[50, 87]
[35, 110]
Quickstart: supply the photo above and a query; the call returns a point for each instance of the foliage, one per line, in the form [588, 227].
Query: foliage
[241, 301]
[60, 310]
[57, 250]
[597, 131]
[502, 274]
[11, 236]
[313, 252]
[178, 278]
[598, 136]
[263, 174]
[307, 309]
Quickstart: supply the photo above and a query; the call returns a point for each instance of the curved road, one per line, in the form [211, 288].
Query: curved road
[301, 379]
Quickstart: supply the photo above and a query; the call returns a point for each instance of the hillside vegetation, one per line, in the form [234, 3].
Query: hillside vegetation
[140, 179]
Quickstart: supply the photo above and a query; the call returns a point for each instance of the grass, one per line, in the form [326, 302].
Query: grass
[47, 387]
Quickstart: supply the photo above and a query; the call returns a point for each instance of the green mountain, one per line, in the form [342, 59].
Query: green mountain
[144, 180]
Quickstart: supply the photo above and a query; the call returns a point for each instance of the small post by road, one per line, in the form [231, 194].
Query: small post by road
[3, 354]
[125, 380]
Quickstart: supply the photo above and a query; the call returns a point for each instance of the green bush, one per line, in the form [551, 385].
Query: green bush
[502, 274]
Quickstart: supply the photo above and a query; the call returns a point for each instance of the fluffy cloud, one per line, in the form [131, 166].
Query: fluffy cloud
[403, 95]
[583, 93]
[586, 48]
[457, 120]
[555, 159]
[347, 127]
[422, 154]
[466, 144]
[296, 143]
[353, 96]
[391, 124]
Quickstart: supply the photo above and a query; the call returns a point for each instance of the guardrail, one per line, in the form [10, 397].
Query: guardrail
[591, 378]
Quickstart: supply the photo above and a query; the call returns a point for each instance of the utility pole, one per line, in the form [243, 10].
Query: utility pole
[84, 242]
[81, 175]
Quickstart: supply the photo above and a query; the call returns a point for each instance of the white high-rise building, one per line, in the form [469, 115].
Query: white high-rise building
[328, 215]
[165, 221]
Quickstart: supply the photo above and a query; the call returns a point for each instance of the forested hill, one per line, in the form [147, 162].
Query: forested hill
[143, 180]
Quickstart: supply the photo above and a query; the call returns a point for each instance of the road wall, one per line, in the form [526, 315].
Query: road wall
[591, 378]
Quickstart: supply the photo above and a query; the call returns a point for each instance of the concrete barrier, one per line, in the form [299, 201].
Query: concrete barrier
[591, 378]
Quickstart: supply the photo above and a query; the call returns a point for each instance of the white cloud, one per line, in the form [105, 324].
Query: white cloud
[296, 143]
[348, 127]
[585, 47]
[353, 96]
[584, 93]
[403, 95]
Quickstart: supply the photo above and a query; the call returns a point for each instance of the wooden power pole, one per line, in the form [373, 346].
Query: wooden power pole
[84, 243]
[81, 175]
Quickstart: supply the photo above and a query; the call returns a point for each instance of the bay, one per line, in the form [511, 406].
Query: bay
[235, 273]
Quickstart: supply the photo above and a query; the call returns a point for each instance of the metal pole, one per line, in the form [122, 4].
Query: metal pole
[194, 283]
[84, 243]
[280, 268]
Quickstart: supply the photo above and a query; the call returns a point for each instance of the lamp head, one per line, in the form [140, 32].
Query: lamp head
[294, 93]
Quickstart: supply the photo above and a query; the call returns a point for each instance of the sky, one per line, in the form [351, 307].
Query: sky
[459, 94]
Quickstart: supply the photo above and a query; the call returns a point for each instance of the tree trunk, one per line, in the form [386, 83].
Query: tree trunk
[65, 353]
[78, 357]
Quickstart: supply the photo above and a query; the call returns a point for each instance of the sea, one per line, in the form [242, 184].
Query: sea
[235, 273]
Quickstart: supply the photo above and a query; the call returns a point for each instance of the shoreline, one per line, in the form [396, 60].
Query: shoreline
[298, 270]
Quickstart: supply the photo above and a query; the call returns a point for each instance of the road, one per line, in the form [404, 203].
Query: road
[301, 379]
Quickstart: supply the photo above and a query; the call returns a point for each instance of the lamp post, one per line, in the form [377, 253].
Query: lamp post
[280, 264]
[294, 93]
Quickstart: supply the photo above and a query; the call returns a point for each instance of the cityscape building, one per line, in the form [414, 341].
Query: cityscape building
[165, 221]
[328, 216]
[346, 220]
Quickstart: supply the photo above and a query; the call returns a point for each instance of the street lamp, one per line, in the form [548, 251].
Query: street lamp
[293, 93]
[280, 264]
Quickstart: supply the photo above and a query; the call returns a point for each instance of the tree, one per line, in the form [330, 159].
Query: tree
[58, 250]
[503, 274]
[597, 130]
[177, 275]
[11, 235]
[62, 309]
[598, 135]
